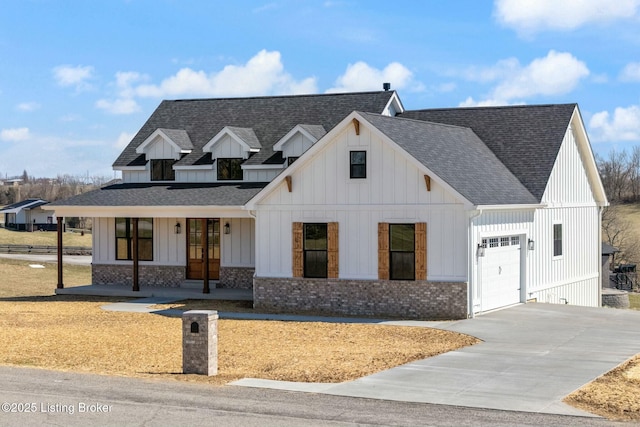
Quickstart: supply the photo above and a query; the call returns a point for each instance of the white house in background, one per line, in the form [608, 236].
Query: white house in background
[29, 215]
[348, 204]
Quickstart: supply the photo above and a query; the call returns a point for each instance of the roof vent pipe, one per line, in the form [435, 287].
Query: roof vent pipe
[386, 86]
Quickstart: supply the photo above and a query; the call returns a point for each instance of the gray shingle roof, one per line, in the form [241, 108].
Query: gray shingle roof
[458, 156]
[525, 138]
[317, 131]
[180, 137]
[174, 194]
[247, 135]
[269, 117]
[25, 204]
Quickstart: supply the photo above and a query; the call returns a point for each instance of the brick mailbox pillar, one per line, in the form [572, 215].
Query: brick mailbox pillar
[200, 342]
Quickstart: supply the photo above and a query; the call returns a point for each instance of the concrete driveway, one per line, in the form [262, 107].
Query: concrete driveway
[533, 355]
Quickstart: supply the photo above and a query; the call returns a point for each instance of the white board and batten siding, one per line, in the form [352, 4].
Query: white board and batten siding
[296, 145]
[573, 277]
[394, 191]
[238, 247]
[159, 148]
[227, 147]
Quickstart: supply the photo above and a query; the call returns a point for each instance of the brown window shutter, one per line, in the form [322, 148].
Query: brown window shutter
[421, 250]
[332, 250]
[297, 250]
[383, 251]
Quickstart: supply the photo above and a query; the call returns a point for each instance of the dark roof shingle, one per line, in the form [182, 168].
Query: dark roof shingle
[526, 138]
[458, 156]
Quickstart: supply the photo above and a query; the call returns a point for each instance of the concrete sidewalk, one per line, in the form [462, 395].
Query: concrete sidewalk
[532, 356]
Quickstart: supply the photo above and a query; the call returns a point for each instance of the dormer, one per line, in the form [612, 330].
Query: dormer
[298, 140]
[394, 106]
[233, 142]
[162, 149]
[166, 144]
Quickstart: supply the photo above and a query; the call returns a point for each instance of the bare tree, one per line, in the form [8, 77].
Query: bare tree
[619, 233]
[614, 172]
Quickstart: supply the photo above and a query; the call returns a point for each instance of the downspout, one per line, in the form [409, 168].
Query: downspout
[600, 209]
[473, 259]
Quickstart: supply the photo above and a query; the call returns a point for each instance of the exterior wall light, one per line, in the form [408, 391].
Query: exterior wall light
[177, 228]
[227, 228]
[530, 244]
[480, 250]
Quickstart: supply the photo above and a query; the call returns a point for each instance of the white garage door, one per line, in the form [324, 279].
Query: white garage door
[500, 272]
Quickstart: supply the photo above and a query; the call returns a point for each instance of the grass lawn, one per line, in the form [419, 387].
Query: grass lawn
[43, 238]
[634, 300]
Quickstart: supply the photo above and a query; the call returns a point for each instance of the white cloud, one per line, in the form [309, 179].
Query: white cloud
[119, 106]
[14, 135]
[78, 76]
[28, 106]
[50, 156]
[363, 77]
[555, 74]
[123, 140]
[623, 125]
[263, 74]
[531, 16]
[470, 102]
[631, 72]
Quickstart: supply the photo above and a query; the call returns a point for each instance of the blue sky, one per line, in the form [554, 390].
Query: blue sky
[79, 78]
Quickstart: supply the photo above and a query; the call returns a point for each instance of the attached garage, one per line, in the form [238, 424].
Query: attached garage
[500, 272]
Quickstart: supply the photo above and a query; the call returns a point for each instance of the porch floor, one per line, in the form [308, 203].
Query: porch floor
[148, 291]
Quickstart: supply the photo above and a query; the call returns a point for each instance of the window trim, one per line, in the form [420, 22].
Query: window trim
[555, 240]
[352, 165]
[229, 159]
[129, 238]
[166, 167]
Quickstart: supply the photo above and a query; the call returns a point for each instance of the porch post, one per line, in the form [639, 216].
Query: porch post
[60, 227]
[205, 255]
[136, 286]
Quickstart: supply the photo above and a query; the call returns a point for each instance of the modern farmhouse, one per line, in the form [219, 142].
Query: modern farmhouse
[348, 204]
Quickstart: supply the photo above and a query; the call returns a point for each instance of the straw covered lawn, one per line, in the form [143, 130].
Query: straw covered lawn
[71, 333]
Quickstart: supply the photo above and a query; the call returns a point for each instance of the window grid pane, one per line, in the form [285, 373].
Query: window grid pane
[358, 164]
[315, 250]
[402, 251]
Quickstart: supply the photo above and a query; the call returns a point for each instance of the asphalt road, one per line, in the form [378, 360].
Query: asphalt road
[36, 397]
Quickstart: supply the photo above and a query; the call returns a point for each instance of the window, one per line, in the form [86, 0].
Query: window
[124, 239]
[162, 170]
[315, 250]
[358, 164]
[291, 160]
[402, 259]
[229, 169]
[557, 239]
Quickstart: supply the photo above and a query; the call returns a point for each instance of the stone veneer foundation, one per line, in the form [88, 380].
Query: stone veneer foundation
[236, 277]
[148, 275]
[388, 298]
